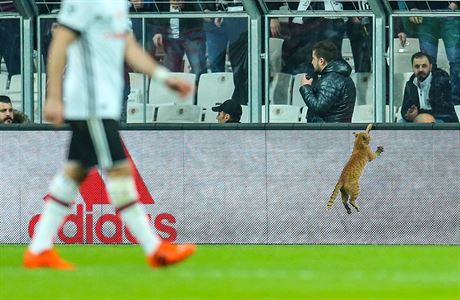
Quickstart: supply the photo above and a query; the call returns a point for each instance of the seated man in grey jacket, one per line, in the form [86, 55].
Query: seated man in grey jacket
[331, 96]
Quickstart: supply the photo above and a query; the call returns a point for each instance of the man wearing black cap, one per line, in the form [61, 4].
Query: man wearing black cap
[228, 112]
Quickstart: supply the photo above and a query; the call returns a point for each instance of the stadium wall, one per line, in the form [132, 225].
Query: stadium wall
[248, 186]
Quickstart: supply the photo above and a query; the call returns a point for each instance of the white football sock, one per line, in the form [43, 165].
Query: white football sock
[136, 220]
[47, 227]
[62, 192]
[123, 193]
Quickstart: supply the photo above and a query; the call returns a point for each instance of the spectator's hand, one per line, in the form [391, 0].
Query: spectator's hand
[158, 40]
[275, 27]
[180, 86]
[218, 21]
[305, 81]
[416, 20]
[453, 6]
[54, 111]
[411, 113]
[402, 39]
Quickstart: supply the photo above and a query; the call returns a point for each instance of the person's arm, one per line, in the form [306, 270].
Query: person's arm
[141, 62]
[408, 109]
[62, 38]
[320, 102]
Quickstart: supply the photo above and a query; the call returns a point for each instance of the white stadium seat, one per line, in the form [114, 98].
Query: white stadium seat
[281, 88]
[160, 94]
[457, 110]
[215, 88]
[3, 83]
[297, 99]
[282, 114]
[178, 113]
[276, 47]
[135, 113]
[364, 87]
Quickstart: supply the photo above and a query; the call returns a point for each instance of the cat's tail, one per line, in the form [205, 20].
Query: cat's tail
[338, 186]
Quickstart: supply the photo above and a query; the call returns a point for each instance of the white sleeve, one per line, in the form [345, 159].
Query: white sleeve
[76, 14]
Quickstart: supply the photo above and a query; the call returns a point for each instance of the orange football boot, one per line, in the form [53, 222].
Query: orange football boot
[169, 254]
[46, 259]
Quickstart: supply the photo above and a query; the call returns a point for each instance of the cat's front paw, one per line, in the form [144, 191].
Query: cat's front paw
[380, 149]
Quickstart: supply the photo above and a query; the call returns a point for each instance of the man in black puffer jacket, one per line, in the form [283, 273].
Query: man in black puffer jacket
[428, 91]
[331, 97]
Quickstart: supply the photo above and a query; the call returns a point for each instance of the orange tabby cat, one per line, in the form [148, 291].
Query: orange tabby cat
[348, 184]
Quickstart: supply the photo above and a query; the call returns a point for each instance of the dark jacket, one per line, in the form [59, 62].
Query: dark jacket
[440, 97]
[20, 117]
[331, 98]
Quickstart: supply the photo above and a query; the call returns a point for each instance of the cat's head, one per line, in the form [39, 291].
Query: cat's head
[363, 138]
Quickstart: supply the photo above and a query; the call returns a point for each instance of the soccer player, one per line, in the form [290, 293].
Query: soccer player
[92, 41]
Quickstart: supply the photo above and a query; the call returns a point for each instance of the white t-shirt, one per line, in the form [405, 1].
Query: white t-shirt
[93, 81]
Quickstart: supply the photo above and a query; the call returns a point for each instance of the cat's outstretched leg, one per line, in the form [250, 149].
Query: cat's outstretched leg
[345, 200]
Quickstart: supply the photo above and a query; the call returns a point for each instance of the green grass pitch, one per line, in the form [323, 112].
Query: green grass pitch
[241, 272]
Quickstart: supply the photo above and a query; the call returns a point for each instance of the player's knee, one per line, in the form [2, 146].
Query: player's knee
[122, 190]
[75, 172]
[63, 189]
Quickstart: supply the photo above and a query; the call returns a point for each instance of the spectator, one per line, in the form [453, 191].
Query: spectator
[8, 115]
[430, 30]
[228, 112]
[181, 36]
[231, 33]
[428, 92]
[331, 97]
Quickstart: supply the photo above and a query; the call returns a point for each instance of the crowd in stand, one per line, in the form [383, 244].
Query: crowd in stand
[221, 44]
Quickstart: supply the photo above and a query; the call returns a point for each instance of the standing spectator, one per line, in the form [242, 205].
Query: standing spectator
[228, 112]
[92, 94]
[427, 92]
[331, 98]
[10, 41]
[179, 36]
[231, 33]
[430, 30]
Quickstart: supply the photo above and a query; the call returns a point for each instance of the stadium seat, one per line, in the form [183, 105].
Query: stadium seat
[364, 87]
[209, 115]
[442, 60]
[135, 113]
[281, 89]
[400, 80]
[303, 114]
[282, 114]
[3, 83]
[178, 113]
[275, 46]
[347, 53]
[297, 99]
[214, 88]
[365, 113]
[245, 114]
[160, 94]
[457, 110]
[137, 91]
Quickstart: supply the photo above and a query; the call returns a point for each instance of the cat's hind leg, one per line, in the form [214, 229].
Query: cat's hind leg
[353, 196]
[345, 200]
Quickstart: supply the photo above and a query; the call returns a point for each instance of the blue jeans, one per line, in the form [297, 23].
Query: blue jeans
[447, 28]
[232, 33]
[191, 43]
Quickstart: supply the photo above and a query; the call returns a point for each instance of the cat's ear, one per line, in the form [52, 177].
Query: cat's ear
[355, 134]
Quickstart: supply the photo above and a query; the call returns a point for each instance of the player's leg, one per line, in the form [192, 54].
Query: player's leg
[62, 192]
[123, 193]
